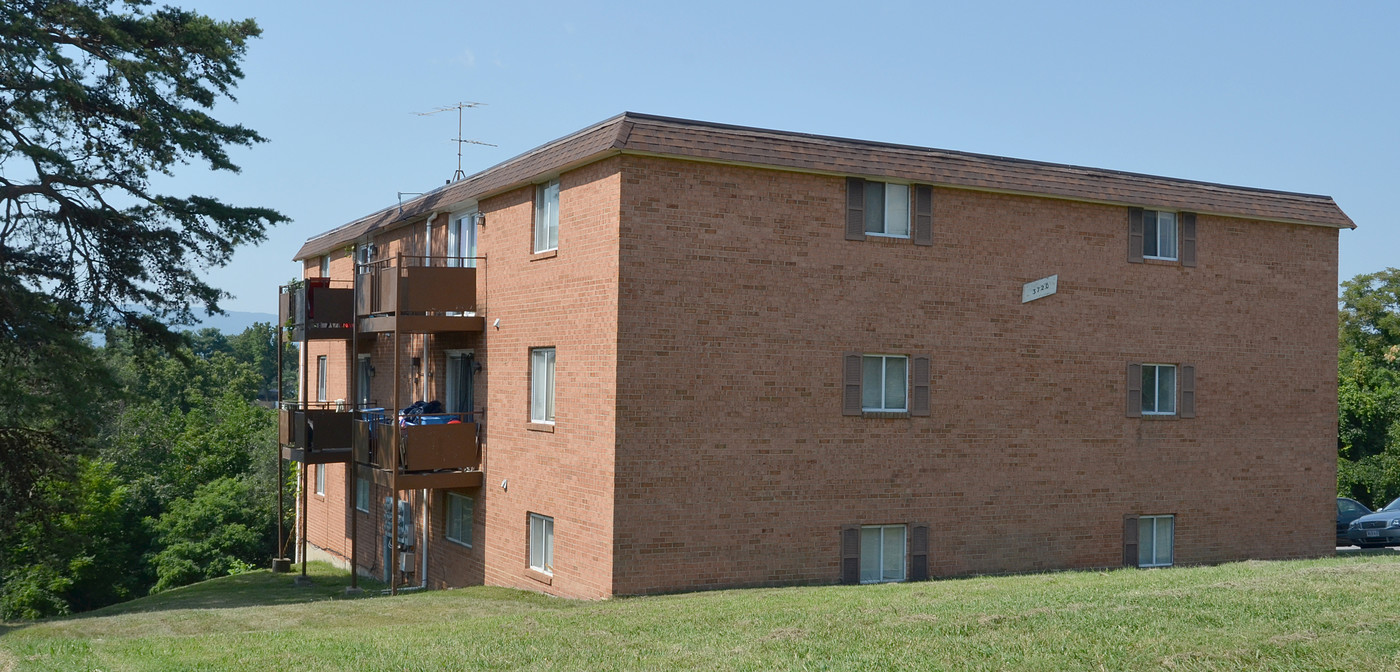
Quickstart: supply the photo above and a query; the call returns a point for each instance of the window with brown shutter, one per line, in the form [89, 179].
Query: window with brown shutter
[886, 210]
[1187, 383]
[850, 555]
[1135, 235]
[1188, 238]
[918, 553]
[855, 208]
[1134, 390]
[919, 400]
[923, 215]
[1130, 541]
[850, 383]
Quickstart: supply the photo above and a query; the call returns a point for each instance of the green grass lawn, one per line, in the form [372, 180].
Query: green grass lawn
[1330, 614]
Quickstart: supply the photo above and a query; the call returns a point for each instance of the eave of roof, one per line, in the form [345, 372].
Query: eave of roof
[634, 133]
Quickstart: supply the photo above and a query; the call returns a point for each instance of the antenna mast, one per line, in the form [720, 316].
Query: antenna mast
[459, 139]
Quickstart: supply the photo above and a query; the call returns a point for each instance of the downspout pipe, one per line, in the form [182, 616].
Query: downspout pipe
[423, 494]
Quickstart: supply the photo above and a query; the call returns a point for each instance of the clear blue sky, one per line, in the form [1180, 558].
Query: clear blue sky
[1284, 95]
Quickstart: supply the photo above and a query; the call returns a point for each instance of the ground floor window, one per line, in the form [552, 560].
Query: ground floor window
[459, 518]
[882, 549]
[362, 494]
[1155, 537]
[541, 543]
[321, 480]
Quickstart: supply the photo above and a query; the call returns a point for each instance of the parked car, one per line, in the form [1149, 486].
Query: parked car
[1381, 528]
[1348, 510]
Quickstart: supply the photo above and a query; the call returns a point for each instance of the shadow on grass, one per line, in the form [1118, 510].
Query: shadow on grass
[254, 589]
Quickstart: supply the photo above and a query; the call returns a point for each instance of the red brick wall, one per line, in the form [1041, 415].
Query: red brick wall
[566, 300]
[699, 313]
[738, 295]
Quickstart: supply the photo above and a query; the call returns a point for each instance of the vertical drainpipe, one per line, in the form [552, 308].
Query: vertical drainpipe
[423, 372]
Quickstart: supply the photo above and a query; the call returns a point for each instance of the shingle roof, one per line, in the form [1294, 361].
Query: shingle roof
[646, 134]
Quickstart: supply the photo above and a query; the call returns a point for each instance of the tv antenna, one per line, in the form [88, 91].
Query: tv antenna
[459, 139]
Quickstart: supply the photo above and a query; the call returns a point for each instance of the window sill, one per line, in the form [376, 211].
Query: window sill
[547, 254]
[454, 541]
[540, 427]
[885, 415]
[886, 239]
[546, 579]
[1153, 261]
[1160, 416]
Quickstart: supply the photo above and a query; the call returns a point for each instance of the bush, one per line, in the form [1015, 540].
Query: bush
[220, 530]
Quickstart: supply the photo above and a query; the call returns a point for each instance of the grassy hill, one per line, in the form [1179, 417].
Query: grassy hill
[1330, 614]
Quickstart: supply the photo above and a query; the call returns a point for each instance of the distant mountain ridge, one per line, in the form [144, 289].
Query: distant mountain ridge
[233, 321]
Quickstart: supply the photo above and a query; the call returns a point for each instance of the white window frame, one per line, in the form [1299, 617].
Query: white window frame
[900, 187]
[541, 538]
[364, 379]
[325, 268]
[542, 385]
[322, 364]
[362, 494]
[880, 560]
[461, 249]
[449, 382]
[461, 522]
[321, 480]
[1156, 399]
[1149, 545]
[1156, 216]
[884, 370]
[547, 216]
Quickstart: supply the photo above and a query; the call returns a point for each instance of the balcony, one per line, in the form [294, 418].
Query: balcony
[315, 432]
[422, 451]
[316, 309]
[417, 295]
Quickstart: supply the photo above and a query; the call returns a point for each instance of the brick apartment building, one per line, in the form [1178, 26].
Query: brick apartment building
[684, 355]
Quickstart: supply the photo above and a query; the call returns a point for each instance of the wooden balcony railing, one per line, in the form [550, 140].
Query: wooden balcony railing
[317, 308]
[420, 287]
[431, 450]
[315, 432]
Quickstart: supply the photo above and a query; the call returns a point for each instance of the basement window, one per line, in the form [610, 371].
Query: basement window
[1156, 535]
[459, 518]
[882, 549]
[541, 543]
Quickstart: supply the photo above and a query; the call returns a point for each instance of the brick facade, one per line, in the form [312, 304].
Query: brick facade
[700, 311]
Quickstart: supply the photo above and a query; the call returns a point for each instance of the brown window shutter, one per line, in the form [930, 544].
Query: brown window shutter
[1187, 382]
[855, 208]
[918, 553]
[923, 214]
[1130, 541]
[1135, 390]
[850, 383]
[1188, 239]
[919, 402]
[850, 555]
[1135, 235]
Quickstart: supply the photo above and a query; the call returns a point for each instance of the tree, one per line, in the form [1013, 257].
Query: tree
[1368, 386]
[93, 102]
[96, 98]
